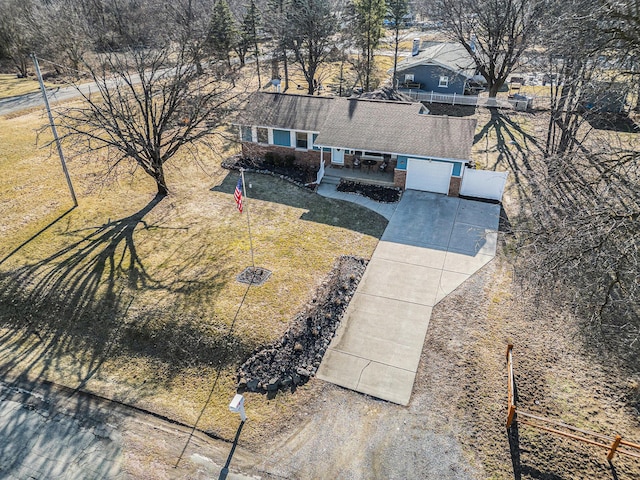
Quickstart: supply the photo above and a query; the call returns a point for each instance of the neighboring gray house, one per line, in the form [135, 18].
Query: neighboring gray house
[424, 152]
[439, 68]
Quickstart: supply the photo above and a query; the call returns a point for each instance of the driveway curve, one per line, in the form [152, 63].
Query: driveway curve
[432, 244]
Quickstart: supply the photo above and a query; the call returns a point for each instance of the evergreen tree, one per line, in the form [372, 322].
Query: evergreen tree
[222, 31]
[368, 17]
[396, 10]
[250, 27]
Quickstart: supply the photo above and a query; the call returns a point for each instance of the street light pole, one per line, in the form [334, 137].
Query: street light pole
[53, 129]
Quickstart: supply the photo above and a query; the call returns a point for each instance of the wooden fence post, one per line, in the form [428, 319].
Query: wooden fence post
[614, 447]
[511, 412]
[511, 415]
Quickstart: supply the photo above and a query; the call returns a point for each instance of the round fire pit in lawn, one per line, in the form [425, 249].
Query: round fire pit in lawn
[254, 275]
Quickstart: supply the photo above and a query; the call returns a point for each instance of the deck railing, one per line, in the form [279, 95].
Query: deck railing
[477, 101]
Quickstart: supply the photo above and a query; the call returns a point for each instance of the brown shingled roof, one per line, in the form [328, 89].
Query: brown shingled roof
[280, 110]
[372, 125]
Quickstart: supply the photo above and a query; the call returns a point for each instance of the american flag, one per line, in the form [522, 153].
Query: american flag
[238, 195]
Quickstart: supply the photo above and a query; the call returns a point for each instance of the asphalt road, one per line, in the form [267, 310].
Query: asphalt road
[52, 432]
[55, 95]
[31, 100]
[60, 94]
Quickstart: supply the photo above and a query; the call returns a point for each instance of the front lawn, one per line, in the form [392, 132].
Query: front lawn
[135, 298]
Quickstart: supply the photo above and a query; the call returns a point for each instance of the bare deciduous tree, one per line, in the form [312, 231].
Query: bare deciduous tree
[580, 245]
[149, 105]
[495, 33]
[311, 24]
[580, 237]
[17, 33]
[276, 26]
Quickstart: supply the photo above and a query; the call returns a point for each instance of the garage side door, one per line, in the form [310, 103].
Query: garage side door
[428, 175]
[483, 184]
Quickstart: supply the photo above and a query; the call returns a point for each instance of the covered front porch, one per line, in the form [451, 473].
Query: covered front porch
[364, 174]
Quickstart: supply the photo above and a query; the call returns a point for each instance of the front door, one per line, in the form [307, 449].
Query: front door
[337, 156]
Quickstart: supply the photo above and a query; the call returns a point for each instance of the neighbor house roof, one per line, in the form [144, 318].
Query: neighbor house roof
[452, 56]
[383, 126]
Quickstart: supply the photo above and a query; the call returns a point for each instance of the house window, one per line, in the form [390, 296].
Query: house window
[315, 135]
[409, 77]
[282, 138]
[444, 82]
[245, 134]
[301, 140]
[263, 135]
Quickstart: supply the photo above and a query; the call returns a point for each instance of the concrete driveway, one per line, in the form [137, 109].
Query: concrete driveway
[432, 244]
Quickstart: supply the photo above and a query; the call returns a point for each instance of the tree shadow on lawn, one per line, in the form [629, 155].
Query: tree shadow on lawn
[323, 210]
[76, 303]
[513, 145]
[616, 122]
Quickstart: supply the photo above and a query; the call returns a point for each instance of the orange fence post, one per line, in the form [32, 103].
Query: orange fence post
[614, 447]
[511, 404]
[511, 415]
[601, 438]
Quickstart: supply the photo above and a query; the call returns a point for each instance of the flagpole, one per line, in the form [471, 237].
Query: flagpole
[244, 189]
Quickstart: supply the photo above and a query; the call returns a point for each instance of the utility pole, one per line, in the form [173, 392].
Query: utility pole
[53, 129]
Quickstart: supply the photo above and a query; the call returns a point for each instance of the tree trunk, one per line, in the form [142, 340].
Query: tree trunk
[21, 63]
[160, 182]
[257, 53]
[493, 90]
[286, 68]
[395, 58]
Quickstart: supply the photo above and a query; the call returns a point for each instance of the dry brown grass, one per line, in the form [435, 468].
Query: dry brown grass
[134, 299]
[11, 85]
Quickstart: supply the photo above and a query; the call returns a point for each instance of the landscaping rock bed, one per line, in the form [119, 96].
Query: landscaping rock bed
[297, 356]
[284, 169]
[374, 192]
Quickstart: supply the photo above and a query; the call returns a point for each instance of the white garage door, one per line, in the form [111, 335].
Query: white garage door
[428, 175]
[483, 184]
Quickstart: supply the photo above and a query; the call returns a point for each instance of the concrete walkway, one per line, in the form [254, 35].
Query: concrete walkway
[432, 244]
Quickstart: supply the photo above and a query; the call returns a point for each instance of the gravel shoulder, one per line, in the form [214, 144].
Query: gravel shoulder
[454, 425]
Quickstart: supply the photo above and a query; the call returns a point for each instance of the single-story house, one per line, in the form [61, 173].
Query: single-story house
[440, 68]
[424, 152]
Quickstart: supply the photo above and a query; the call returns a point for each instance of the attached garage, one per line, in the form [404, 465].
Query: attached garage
[428, 175]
